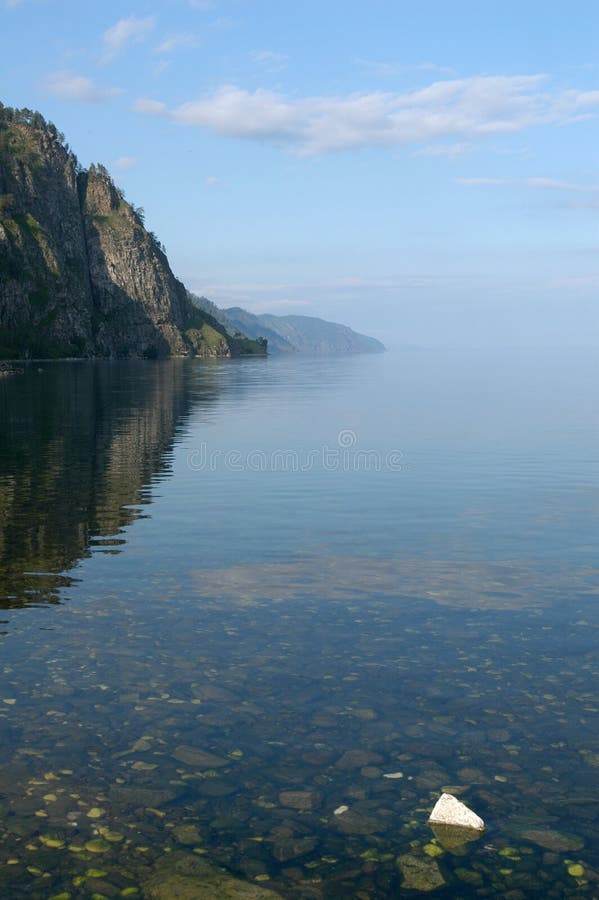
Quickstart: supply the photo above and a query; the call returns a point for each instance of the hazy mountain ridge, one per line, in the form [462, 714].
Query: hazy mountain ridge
[80, 275]
[292, 334]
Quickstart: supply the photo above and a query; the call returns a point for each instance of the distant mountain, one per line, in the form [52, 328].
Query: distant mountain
[80, 275]
[292, 334]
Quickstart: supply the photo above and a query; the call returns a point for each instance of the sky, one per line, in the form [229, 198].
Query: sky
[426, 172]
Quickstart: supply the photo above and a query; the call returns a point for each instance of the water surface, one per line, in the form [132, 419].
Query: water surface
[237, 595]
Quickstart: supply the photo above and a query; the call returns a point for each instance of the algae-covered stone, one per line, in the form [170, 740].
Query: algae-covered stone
[556, 841]
[455, 838]
[188, 835]
[300, 799]
[448, 810]
[181, 876]
[469, 876]
[292, 848]
[146, 797]
[356, 759]
[419, 874]
[353, 822]
[199, 759]
[98, 845]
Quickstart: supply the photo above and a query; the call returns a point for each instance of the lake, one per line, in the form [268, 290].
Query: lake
[258, 614]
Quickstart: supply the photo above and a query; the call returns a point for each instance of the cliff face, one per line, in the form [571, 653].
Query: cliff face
[139, 306]
[46, 305]
[79, 273]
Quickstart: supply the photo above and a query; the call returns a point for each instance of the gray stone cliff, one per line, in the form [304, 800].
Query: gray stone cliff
[80, 276]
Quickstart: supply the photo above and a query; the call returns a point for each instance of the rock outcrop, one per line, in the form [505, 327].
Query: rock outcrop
[80, 275]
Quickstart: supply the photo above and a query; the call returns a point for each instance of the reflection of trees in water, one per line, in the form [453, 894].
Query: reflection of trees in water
[78, 442]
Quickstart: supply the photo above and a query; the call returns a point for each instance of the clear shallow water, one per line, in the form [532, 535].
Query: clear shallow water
[318, 572]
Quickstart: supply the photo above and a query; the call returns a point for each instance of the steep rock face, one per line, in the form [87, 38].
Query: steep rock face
[45, 296]
[79, 273]
[139, 306]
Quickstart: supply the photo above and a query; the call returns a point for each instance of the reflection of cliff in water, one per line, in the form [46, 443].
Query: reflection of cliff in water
[79, 442]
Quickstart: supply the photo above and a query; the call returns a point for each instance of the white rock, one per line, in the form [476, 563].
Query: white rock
[393, 775]
[449, 810]
[340, 810]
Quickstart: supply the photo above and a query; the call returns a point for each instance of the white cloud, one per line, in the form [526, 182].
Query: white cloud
[149, 107]
[552, 184]
[212, 181]
[131, 30]
[186, 39]
[67, 85]
[453, 151]
[125, 162]
[464, 108]
[557, 185]
[478, 182]
[587, 98]
[11, 4]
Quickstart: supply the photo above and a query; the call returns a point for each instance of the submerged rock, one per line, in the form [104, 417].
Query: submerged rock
[351, 822]
[199, 759]
[454, 838]
[181, 876]
[300, 799]
[448, 810]
[188, 835]
[553, 840]
[419, 874]
[291, 848]
[356, 759]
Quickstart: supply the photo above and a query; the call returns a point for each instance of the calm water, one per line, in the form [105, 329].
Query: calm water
[237, 597]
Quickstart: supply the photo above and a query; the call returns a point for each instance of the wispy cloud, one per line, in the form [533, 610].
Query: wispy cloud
[453, 151]
[67, 85]
[552, 184]
[131, 30]
[466, 108]
[212, 181]
[11, 4]
[270, 59]
[122, 163]
[225, 23]
[584, 204]
[579, 281]
[391, 70]
[185, 39]
[149, 107]
[270, 295]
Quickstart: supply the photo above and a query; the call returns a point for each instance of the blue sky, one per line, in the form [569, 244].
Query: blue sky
[424, 171]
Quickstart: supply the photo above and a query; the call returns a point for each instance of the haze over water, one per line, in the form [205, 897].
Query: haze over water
[238, 594]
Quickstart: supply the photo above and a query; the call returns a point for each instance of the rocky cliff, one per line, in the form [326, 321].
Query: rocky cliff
[80, 275]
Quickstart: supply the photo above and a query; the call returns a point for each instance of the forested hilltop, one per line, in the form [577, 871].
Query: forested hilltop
[291, 334]
[80, 275]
